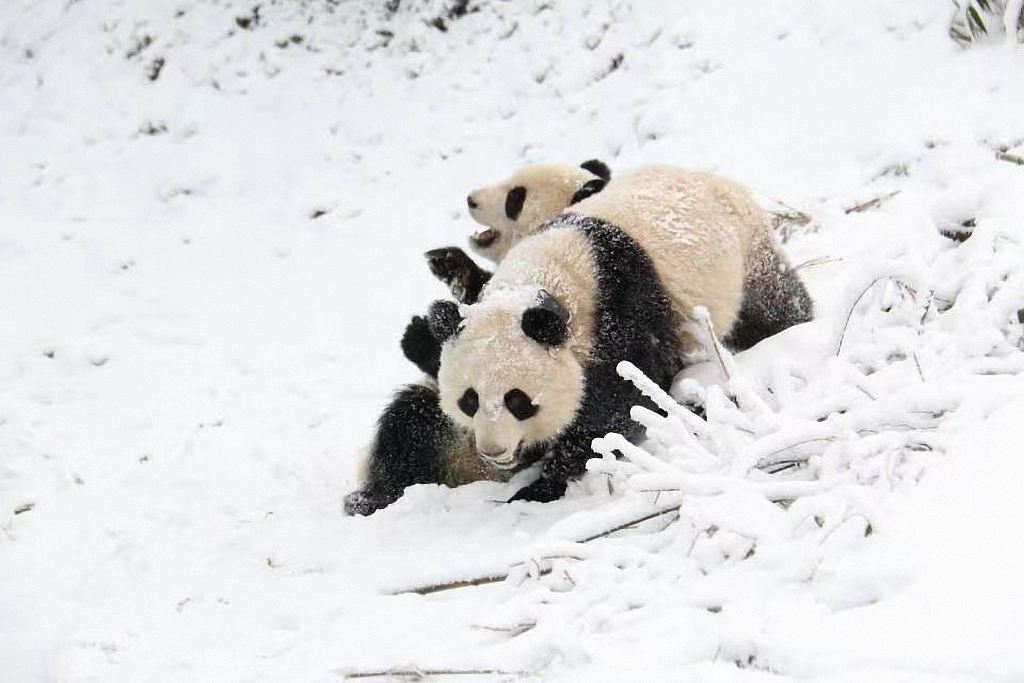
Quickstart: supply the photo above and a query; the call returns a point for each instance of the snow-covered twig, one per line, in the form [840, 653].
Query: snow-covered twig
[853, 306]
[870, 203]
[427, 589]
[418, 674]
[543, 563]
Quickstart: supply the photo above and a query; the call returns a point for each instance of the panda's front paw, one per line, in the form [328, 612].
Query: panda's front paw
[364, 502]
[421, 346]
[456, 269]
[541, 491]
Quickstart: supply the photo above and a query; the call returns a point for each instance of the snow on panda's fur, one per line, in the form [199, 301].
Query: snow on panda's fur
[530, 371]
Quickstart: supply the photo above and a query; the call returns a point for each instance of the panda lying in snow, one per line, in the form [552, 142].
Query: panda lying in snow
[529, 373]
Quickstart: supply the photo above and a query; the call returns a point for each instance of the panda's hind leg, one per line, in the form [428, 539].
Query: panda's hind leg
[774, 299]
[413, 436]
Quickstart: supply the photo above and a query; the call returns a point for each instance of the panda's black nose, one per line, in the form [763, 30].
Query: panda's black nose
[472, 202]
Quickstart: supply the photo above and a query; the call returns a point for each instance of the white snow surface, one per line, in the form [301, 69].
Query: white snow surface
[205, 277]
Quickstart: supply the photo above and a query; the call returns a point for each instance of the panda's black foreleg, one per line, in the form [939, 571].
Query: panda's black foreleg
[456, 269]
[421, 346]
[412, 436]
[541, 491]
[774, 299]
[605, 408]
[423, 336]
[566, 460]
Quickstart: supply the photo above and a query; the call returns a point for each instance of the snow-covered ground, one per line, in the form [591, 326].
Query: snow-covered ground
[212, 215]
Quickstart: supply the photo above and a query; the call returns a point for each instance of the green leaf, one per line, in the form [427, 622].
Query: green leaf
[975, 21]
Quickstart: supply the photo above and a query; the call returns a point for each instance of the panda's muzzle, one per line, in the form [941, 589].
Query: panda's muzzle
[503, 460]
[485, 238]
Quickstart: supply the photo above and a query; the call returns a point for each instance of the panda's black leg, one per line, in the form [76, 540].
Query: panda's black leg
[541, 491]
[408, 448]
[566, 460]
[774, 299]
[423, 336]
[421, 346]
[605, 408]
[456, 269]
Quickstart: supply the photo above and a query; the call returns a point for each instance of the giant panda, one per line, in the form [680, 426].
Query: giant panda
[739, 274]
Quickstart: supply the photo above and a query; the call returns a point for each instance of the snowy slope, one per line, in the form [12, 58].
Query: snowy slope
[211, 226]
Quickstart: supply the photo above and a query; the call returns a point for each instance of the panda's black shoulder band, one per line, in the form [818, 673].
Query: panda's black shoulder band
[589, 189]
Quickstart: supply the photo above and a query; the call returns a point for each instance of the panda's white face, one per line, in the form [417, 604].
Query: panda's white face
[510, 390]
[515, 207]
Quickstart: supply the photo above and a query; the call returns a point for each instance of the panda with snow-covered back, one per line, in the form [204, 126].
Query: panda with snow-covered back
[771, 295]
[532, 374]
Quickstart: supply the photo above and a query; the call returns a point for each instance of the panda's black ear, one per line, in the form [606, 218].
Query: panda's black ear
[547, 321]
[589, 189]
[598, 168]
[444, 319]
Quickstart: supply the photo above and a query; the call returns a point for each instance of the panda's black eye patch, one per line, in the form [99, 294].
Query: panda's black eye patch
[514, 201]
[520, 405]
[470, 402]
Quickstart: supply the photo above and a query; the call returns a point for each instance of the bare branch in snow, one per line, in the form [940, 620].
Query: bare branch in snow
[871, 203]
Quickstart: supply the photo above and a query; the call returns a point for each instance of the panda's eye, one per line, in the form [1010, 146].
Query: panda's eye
[514, 202]
[520, 405]
[469, 402]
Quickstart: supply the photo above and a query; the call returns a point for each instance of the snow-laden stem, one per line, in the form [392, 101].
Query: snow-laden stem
[852, 307]
[418, 674]
[660, 397]
[745, 395]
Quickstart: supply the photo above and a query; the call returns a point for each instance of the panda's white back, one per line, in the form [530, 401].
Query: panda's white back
[698, 229]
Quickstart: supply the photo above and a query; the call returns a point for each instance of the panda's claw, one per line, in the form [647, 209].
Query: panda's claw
[363, 503]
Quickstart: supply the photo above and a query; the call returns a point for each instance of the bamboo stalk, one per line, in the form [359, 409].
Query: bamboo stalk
[871, 203]
[1012, 158]
[417, 674]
